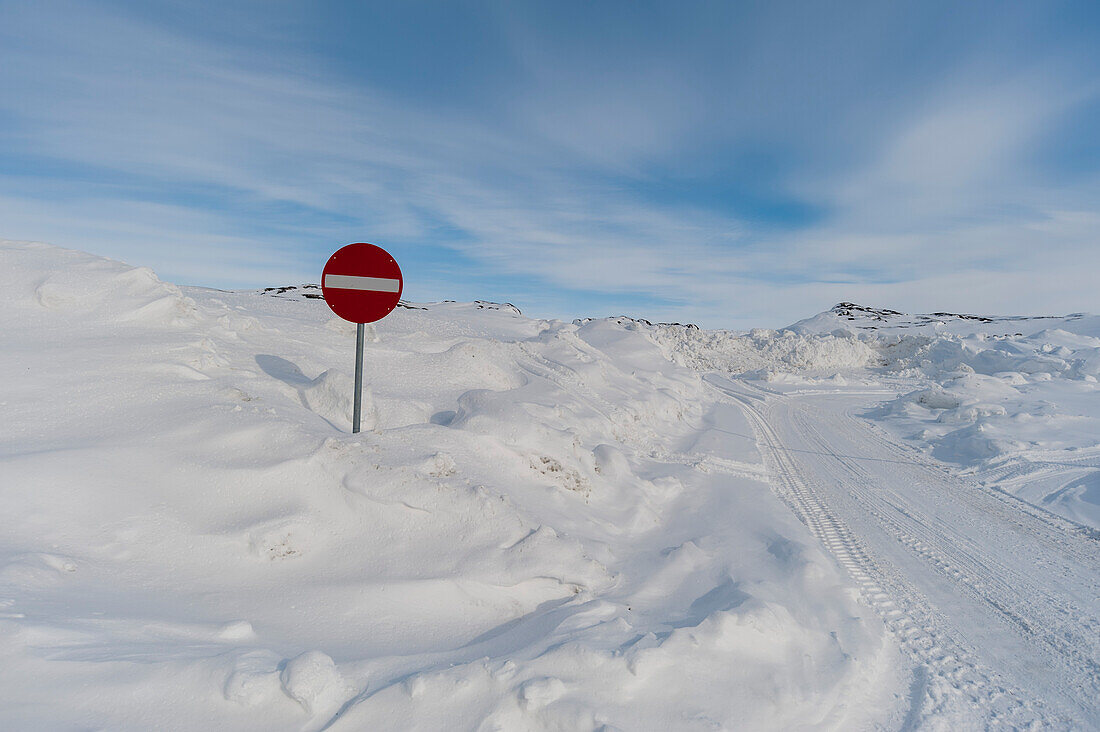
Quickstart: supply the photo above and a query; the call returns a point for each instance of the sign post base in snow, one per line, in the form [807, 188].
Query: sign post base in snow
[361, 283]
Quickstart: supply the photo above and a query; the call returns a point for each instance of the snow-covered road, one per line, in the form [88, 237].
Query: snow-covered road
[989, 595]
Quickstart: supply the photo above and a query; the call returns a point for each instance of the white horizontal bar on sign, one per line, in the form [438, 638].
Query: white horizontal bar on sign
[372, 284]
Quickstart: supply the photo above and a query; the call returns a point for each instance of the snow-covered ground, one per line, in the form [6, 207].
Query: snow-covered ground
[545, 525]
[1014, 401]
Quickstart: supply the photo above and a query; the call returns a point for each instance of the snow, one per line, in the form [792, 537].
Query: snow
[1012, 400]
[993, 600]
[868, 520]
[544, 525]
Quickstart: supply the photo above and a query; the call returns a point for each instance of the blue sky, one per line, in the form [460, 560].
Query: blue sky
[733, 164]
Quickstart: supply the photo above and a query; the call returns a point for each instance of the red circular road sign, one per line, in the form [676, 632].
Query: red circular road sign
[361, 283]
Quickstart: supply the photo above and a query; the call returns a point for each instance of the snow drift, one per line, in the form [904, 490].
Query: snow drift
[545, 526]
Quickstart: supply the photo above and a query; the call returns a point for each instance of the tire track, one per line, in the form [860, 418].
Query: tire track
[950, 685]
[1052, 624]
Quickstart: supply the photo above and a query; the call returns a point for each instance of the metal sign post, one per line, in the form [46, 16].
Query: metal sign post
[358, 409]
[361, 283]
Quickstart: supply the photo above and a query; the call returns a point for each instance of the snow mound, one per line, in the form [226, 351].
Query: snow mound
[762, 351]
[312, 680]
[996, 396]
[330, 396]
[80, 286]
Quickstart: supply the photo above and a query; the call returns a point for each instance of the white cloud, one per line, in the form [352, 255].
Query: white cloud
[940, 212]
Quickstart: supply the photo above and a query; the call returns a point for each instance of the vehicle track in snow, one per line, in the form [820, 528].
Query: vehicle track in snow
[1054, 470]
[994, 599]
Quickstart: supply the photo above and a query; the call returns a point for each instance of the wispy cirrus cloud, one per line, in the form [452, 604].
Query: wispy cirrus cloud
[596, 178]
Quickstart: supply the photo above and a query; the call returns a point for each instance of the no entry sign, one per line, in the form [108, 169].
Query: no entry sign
[361, 283]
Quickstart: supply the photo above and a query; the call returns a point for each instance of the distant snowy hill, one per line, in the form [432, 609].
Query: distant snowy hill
[852, 317]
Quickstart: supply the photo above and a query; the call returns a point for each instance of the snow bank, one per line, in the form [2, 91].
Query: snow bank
[1009, 397]
[544, 525]
[763, 352]
[79, 287]
[1013, 399]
